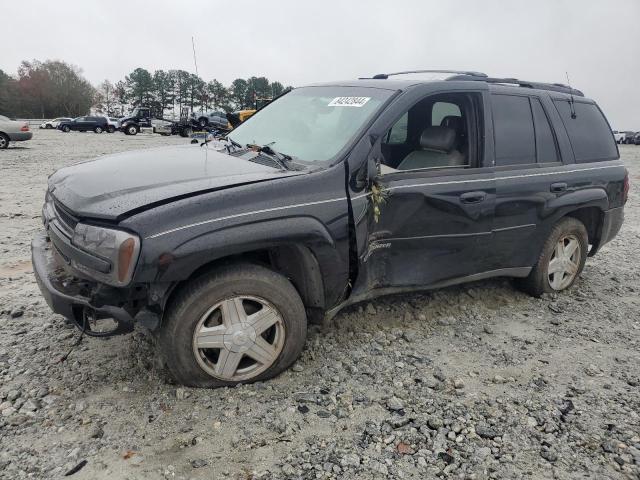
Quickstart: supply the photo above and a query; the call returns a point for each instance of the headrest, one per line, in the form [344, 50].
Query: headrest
[452, 121]
[439, 139]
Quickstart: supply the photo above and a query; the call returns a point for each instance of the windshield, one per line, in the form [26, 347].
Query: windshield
[313, 123]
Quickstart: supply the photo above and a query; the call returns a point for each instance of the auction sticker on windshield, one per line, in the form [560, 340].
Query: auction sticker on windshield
[349, 101]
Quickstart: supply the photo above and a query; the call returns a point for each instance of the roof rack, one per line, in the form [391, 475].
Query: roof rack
[554, 87]
[384, 76]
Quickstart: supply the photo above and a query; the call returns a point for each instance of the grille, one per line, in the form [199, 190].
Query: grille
[67, 221]
[266, 161]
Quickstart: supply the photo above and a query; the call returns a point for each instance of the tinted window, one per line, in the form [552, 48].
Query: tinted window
[545, 141]
[589, 132]
[513, 130]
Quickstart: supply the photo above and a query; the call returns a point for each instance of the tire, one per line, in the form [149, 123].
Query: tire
[186, 132]
[4, 141]
[203, 122]
[111, 129]
[131, 130]
[205, 298]
[66, 129]
[98, 130]
[48, 126]
[540, 279]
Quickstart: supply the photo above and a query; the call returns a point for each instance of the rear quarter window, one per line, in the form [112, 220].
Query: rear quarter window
[589, 132]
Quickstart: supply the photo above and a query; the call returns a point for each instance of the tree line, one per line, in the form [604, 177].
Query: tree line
[54, 88]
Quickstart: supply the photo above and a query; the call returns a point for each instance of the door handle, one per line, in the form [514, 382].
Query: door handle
[558, 187]
[473, 197]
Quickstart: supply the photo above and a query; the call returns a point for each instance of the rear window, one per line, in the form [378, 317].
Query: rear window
[589, 132]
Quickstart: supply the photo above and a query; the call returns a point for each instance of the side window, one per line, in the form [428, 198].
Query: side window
[513, 130]
[398, 133]
[441, 110]
[546, 148]
[588, 131]
[438, 131]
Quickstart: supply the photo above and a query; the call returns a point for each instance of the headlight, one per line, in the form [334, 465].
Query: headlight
[118, 247]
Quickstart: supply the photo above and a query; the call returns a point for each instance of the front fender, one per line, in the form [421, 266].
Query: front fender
[178, 263]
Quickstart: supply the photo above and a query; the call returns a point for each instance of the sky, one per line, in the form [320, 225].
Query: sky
[297, 42]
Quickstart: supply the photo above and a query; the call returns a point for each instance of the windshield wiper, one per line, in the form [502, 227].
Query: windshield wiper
[281, 158]
[233, 142]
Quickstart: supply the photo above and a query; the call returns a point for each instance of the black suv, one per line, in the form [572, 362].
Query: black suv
[332, 194]
[85, 124]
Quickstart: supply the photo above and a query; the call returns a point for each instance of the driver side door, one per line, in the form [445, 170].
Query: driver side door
[432, 226]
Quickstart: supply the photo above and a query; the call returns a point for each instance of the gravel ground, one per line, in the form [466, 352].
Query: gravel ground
[478, 381]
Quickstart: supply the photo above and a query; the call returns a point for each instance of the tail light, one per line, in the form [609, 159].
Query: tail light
[25, 128]
[625, 188]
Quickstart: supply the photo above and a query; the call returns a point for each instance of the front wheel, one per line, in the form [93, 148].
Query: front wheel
[111, 129]
[131, 130]
[66, 129]
[186, 132]
[242, 323]
[203, 122]
[4, 141]
[561, 261]
[98, 129]
[48, 126]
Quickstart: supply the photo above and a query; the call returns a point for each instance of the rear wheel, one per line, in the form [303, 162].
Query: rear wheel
[186, 132]
[48, 126]
[131, 130]
[66, 129]
[561, 261]
[111, 129]
[4, 141]
[242, 323]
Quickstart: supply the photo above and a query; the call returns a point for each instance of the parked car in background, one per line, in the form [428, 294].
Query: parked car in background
[85, 124]
[636, 139]
[214, 119]
[13, 131]
[628, 137]
[321, 201]
[619, 136]
[112, 124]
[49, 124]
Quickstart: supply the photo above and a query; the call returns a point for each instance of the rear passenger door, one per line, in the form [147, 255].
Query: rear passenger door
[528, 171]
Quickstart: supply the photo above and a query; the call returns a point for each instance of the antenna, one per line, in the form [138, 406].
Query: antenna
[193, 45]
[572, 101]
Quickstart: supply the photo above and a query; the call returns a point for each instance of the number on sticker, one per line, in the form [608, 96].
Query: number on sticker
[349, 101]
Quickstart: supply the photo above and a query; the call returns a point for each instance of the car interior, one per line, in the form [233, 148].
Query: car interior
[435, 133]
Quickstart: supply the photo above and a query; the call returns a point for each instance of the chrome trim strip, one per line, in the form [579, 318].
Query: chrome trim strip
[238, 215]
[505, 229]
[508, 177]
[424, 237]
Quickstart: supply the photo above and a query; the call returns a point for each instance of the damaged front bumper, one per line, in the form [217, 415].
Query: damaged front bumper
[81, 301]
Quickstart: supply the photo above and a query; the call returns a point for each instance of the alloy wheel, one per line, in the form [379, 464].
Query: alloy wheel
[565, 262]
[238, 338]
[3, 142]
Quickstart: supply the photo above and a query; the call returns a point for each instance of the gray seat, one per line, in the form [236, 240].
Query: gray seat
[437, 149]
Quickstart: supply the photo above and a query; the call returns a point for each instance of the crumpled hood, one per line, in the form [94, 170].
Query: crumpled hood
[111, 186]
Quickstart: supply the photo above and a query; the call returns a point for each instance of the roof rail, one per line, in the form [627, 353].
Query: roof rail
[384, 76]
[554, 87]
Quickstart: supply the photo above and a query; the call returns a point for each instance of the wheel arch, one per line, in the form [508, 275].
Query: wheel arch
[294, 261]
[302, 250]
